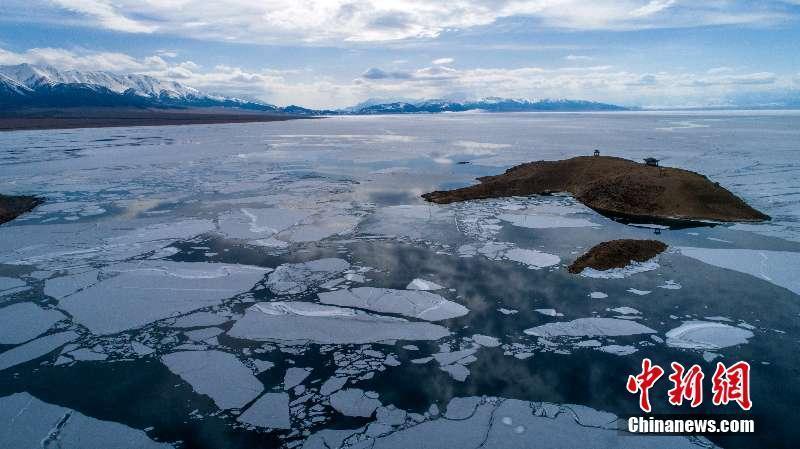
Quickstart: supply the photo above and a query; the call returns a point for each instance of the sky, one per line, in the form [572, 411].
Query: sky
[337, 53]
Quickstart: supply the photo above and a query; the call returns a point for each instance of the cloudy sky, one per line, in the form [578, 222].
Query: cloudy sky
[335, 53]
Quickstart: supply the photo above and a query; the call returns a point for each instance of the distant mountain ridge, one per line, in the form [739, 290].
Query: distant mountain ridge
[27, 85]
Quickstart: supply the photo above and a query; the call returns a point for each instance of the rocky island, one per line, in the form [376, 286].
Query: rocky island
[12, 207]
[617, 254]
[615, 187]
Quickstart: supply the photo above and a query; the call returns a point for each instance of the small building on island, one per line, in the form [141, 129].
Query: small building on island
[597, 152]
[651, 161]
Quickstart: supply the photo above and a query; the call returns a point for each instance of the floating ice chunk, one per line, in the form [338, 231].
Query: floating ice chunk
[141, 349]
[639, 292]
[456, 371]
[203, 334]
[709, 356]
[219, 375]
[670, 285]
[320, 227]
[354, 402]
[598, 295]
[448, 358]
[27, 422]
[390, 415]
[35, 349]
[545, 221]
[422, 284]
[776, 267]
[66, 285]
[590, 327]
[588, 344]
[332, 385]
[305, 321]
[548, 312]
[289, 279]
[87, 355]
[295, 376]
[270, 410]
[626, 310]
[532, 258]
[619, 273]
[247, 224]
[706, 335]
[618, 349]
[411, 303]
[486, 341]
[505, 311]
[141, 293]
[25, 320]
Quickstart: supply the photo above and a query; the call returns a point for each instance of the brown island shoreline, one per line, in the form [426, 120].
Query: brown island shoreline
[71, 118]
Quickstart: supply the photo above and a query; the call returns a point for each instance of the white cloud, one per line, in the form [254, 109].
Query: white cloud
[599, 83]
[311, 21]
[578, 58]
[443, 61]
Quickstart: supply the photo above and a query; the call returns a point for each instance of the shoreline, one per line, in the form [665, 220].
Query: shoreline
[48, 119]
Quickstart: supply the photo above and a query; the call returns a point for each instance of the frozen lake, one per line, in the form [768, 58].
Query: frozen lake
[284, 285]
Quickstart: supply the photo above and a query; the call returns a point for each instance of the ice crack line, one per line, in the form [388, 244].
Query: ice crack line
[54, 433]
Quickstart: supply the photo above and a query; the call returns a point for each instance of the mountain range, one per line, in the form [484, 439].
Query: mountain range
[34, 86]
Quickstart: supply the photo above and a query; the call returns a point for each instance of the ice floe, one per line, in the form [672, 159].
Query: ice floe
[706, 335]
[305, 321]
[289, 279]
[295, 376]
[548, 312]
[619, 273]
[590, 327]
[27, 422]
[412, 303]
[25, 320]
[486, 340]
[598, 295]
[10, 286]
[218, 375]
[545, 221]
[354, 402]
[422, 284]
[532, 258]
[271, 410]
[639, 292]
[35, 349]
[332, 385]
[625, 310]
[618, 349]
[776, 267]
[137, 294]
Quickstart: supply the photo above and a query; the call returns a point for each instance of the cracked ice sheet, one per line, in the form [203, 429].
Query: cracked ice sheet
[412, 303]
[706, 335]
[776, 267]
[27, 422]
[413, 221]
[270, 410]
[278, 225]
[422, 284]
[143, 292]
[546, 221]
[590, 327]
[219, 375]
[22, 321]
[354, 402]
[294, 278]
[35, 349]
[306, 321]
[507, 424]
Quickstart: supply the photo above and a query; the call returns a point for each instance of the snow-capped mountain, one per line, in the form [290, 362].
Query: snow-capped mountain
[491, 104]
[45, 86]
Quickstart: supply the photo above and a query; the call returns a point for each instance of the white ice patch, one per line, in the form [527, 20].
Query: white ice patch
[332, 385]
[548, 312]
[294, 278]
[598, 295]
[25, 320]
[505, 311]
[270, 410]
[546, 221]
[590, 327]
[619, 273]
[27, 422]
[305, 321]
[618, 349]
[625, 310]
[219, 375]
[412, 303]
[670, 285]
[35, 349]
[639, 292]
[422, 284]
[532, 258]
[706, 335]
[486, 341]
[295, 376]
[250, 224]
[354, 402]
[141, 293]
[776, 267]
